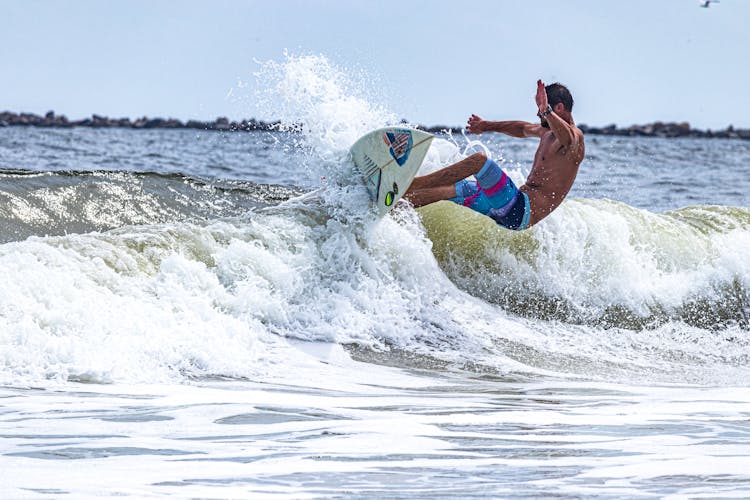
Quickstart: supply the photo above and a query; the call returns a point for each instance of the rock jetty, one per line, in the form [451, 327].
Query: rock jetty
[9, 119]
[660, 129]
[51, 119]
[657, 129]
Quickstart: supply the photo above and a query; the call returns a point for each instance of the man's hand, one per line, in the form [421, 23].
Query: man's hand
[476, 125]
[541, 96]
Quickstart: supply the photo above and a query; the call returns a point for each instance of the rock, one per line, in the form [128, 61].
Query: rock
[154, 123]
[221, 123]
[173, 123]
[99, 121]
[197, 125]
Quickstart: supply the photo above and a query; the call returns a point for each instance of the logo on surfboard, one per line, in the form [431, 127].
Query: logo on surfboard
[399, 144]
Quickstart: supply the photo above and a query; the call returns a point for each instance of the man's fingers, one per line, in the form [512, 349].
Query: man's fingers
[473, 124]
[540, 88]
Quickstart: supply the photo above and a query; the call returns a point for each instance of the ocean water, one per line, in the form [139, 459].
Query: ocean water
[193, 314]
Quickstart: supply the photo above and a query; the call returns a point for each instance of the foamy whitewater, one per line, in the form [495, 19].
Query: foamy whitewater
[201, 315]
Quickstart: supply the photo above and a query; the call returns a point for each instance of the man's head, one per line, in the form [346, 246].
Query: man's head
[558, 94]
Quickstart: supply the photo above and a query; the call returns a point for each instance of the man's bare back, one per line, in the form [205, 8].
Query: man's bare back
[561, 150]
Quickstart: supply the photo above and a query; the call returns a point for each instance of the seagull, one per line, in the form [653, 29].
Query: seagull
[707, 3]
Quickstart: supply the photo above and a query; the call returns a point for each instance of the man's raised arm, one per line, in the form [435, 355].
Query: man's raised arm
[562, 130]
[514, 128]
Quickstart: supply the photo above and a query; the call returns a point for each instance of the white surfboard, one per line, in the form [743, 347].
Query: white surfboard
[389, 158]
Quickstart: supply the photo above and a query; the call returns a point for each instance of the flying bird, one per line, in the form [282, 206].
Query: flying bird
[707, 3]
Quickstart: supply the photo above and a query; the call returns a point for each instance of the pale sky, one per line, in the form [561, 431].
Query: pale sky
[432, 62]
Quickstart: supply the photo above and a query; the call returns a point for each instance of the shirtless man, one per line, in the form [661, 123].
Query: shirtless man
[560, 152]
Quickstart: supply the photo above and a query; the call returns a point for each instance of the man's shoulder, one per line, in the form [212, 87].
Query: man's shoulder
[579, 133]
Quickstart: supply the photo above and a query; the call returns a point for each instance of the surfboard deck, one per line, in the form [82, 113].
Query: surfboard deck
[388, 159]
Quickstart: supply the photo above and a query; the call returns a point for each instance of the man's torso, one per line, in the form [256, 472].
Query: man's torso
[552, 175]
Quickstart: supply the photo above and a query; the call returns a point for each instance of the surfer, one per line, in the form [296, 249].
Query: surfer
[560, 152]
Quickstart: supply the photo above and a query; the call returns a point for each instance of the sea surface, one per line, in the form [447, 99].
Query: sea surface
[188, 314]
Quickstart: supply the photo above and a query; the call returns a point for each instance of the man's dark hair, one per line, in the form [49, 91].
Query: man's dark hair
[559, 93]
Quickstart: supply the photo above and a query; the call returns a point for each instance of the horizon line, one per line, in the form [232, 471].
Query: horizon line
[222, 123]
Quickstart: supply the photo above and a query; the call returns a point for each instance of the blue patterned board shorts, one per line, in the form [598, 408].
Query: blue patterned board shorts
[496, 196]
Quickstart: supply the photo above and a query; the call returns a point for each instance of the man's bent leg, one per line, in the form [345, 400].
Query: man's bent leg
[422, 197]
[450, 175]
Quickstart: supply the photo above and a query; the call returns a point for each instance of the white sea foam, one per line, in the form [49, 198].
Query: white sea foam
[177, 301]
[312, 95]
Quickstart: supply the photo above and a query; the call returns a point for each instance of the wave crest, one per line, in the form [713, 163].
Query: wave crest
[604, 263]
